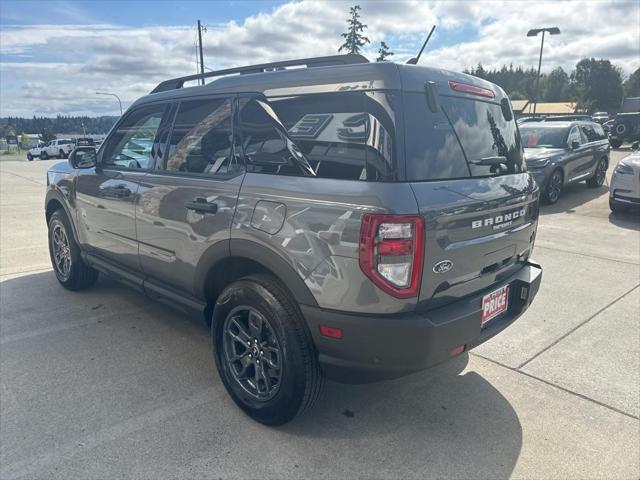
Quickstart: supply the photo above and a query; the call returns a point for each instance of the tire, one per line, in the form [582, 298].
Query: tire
[615, 142]
[621, 128]
[43, 155]
[290, 388]
[553, 188]
[61, 154]
[70, 270]
[599, 175]
[29, 157]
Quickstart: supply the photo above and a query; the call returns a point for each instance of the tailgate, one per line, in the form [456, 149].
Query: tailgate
[477, 233]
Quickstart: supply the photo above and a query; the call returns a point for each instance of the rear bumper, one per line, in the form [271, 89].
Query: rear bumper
[383, 347]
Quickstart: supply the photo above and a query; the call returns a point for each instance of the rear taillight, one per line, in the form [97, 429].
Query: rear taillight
[391, 252]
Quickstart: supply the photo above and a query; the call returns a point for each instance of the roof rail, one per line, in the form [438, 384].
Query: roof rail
[176, 83]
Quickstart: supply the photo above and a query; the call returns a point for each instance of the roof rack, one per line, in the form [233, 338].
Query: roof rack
[176, 83]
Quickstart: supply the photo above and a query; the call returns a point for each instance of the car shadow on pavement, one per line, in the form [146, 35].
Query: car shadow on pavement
[454, 425]
[574, 196]
[444, 422]
[626, 219]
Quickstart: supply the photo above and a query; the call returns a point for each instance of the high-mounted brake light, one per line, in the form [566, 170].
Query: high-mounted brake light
[391, 252]
[471, 89]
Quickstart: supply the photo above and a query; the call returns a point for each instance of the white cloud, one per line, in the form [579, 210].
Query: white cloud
[66, 64]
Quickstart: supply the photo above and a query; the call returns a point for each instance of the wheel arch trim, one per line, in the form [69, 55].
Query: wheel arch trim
[53, 194]
[255, 252]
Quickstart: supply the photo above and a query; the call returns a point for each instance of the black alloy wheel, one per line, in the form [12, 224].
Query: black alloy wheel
[252, 352]
[599, 175]
[61, 252]
[553, 188]
[66, 258]
[264, 351]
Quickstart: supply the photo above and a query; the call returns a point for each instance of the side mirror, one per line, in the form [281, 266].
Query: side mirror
[575, 144]
[83, 157]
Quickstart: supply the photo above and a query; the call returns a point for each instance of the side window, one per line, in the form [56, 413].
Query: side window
[132, 144]
[600, 132]
[201, 140]
[265, 143]
[589, 133]
[347, 136]
[574, 136]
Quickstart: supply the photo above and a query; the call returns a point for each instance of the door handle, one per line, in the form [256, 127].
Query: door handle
[200, 204]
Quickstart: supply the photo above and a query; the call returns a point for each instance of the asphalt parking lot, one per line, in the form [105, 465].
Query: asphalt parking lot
[108, 384]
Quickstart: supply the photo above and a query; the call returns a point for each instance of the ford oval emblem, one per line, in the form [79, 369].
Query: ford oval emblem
[443, 266]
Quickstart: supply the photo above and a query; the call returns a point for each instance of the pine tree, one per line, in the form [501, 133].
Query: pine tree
[383, 52]
[353, 37]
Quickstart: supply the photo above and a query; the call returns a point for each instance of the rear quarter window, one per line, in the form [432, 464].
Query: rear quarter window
[343, 135]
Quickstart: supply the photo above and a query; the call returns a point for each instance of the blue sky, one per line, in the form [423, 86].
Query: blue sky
[132, 13]
[56, 54]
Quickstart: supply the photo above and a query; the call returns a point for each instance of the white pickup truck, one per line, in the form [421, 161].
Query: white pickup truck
[60, 148]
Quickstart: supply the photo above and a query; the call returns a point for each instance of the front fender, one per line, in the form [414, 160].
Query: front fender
[63, 196]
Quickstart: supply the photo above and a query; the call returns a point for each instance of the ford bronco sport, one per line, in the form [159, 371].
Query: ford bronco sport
[348, 220]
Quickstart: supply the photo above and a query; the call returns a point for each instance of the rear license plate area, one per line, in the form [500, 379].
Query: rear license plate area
[494, 303]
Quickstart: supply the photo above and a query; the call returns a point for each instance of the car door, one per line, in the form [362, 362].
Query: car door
[593, 146]
[106, 194]
[577, 155]
[186, 205]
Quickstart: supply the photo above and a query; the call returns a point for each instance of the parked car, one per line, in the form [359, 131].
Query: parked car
[350, 220]
[626, 128]
[59, 148]
[84, 142]
[559, 153]
[522, 120]
[624, 190]
[568, 118]
[34, 152]
[600, 117]
[606, 126]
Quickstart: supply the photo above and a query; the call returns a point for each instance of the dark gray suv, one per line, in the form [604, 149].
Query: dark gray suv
[561, 153]
[350, 220]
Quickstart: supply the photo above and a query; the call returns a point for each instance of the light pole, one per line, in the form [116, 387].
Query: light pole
[113, 95]
[534, 33]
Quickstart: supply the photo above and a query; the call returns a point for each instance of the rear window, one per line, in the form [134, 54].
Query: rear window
[470, 138]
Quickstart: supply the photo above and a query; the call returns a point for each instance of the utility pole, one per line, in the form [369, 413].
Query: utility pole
[200, 28]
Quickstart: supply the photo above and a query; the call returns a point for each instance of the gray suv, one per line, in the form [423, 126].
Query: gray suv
[348, 220]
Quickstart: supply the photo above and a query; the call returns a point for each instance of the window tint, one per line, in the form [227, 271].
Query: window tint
[341, 135]
[470, 138]
[132, 144]
[574, 136]
[536, 136]
[487, 138]
[600, 132]
[590, 132]
[201, 140]
[432, 149]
